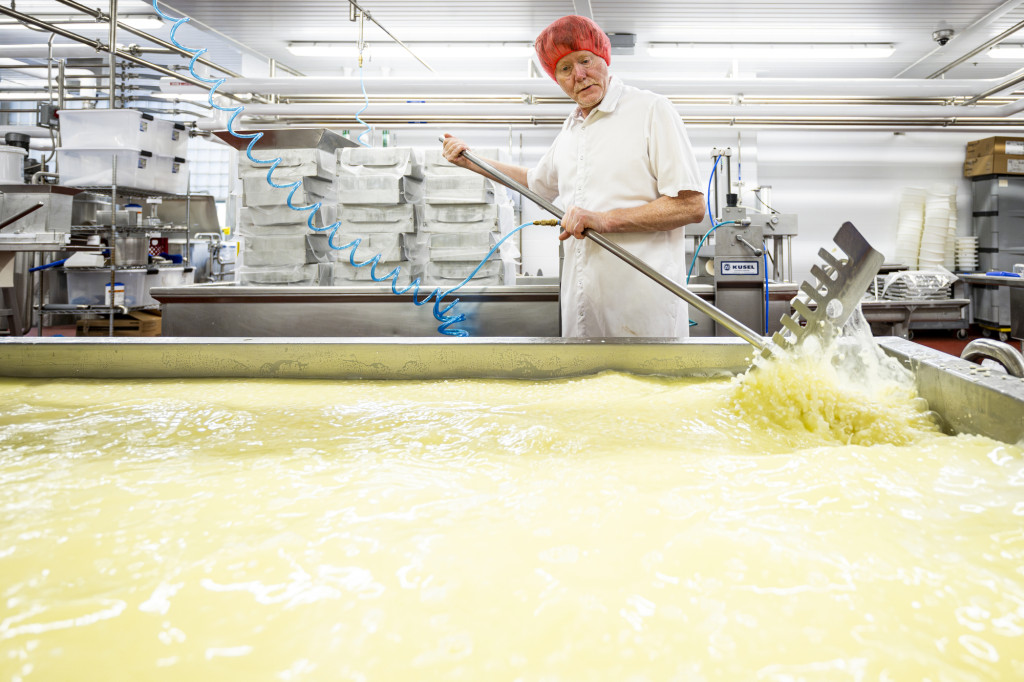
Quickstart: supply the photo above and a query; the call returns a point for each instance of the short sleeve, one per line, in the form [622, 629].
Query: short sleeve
[542, 178]
[672, 158]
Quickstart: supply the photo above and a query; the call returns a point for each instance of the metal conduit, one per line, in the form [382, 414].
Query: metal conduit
[981, 48]
[100, 47]
[721, 121]
[414, 112]
[96, 14]
[538, 88]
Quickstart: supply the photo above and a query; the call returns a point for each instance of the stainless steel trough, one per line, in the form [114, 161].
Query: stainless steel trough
[968, 398]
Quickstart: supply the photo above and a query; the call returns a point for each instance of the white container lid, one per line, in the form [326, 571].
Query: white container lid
[8, 149]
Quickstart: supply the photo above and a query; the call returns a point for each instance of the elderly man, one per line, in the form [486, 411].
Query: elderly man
[622, 165]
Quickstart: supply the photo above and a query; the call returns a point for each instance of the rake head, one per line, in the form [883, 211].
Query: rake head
[839, 288]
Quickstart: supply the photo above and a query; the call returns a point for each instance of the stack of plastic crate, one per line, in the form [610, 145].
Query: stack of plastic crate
[379, 193]
[460, 223]
[277, 245]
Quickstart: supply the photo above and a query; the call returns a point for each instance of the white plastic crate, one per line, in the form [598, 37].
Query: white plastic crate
[434, 161]
[390, 247]
[170, 174]
[460, 270]
[378, 189]
[295, 164]
[346, 273]
[93, 167]
[287, 218]
[380, 160]
[124, 128]
[170, 138]
[292, 275]
[460, 218]
[364, 219]
[89, 287]
[274, 250]
[467, 246]
[468, 188]
[166, 276]
[318, 248]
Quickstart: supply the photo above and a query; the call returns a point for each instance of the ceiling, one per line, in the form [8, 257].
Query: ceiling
[908, 25]
[244, 35]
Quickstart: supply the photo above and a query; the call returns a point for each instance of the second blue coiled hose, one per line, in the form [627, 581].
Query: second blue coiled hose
[441, 312]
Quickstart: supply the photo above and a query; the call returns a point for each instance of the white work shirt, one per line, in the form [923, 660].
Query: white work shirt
[630, 150]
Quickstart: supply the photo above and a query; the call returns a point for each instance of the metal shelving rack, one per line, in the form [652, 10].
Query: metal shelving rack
[113, 231]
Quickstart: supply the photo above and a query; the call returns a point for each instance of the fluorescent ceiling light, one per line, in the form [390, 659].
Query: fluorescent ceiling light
[1007, 51]
[426, 50]
[771, 50]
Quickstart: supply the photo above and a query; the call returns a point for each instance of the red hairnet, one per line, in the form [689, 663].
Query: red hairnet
[571, 34]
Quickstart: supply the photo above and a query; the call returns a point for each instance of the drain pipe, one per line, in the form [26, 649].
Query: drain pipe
[1003, 353]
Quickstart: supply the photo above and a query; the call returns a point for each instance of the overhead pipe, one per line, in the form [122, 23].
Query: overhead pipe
[981, 26]
[100, 47]
[414, 111]
[96, 14]
[503, 123]
[543, 87]
[981, 48]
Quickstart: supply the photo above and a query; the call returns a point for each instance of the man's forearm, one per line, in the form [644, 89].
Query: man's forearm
[517, 173]
[664, 213]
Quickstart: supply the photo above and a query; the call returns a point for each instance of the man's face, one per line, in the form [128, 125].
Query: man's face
[584, 77]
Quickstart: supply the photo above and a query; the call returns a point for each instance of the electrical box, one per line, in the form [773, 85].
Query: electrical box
[46, 115]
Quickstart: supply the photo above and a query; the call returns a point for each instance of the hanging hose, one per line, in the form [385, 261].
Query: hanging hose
[440, 313]
[47, 266]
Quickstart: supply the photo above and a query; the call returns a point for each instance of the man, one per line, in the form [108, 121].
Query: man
[622, 165]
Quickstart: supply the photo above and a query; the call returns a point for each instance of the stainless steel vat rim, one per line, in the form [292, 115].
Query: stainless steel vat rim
[389, 358]
[968, 398]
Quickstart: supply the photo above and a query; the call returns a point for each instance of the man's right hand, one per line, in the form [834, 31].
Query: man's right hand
[453, 148]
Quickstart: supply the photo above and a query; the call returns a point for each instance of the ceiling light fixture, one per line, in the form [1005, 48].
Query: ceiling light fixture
[1007, 51]
[432, 49]
[771, 50]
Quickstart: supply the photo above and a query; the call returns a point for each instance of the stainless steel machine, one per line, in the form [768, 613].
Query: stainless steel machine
[739, 253]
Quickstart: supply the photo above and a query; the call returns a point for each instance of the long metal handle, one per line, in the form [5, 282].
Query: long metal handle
[27, 211]
[719, 316]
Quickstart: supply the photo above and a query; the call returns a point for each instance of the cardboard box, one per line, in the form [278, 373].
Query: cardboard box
[135, 323]
[1007, 146]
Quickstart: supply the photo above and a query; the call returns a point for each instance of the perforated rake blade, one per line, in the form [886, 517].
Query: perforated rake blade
[839, 288]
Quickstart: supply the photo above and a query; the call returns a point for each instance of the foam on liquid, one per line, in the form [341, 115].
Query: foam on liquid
[786, 525]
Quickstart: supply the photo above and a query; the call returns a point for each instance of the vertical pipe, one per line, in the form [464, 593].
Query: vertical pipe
[273, 74]
[186, 257]
[61, 79]
[113, 242]
[112, 47]
[728, 176]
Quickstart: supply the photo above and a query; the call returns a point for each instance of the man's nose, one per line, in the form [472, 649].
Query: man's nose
[579, 71]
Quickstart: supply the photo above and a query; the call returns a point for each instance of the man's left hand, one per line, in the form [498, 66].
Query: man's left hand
[578, 219]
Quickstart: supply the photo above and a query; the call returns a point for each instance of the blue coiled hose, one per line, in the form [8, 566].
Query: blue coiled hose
[441, 314]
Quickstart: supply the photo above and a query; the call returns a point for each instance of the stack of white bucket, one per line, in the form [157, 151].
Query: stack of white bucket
[277, 246]
[463, 215]
[380, 190]
[926, 230]
[966, 254]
